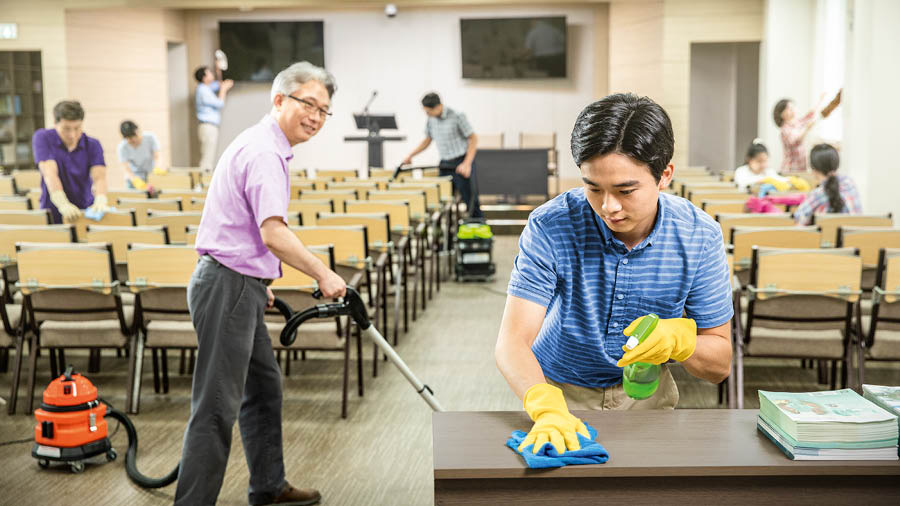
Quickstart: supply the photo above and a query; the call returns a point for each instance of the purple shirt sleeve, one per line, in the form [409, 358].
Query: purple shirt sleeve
[95, 153]
[266, 188]
[40, 146]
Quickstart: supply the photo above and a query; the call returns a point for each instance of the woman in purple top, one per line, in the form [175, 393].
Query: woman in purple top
[72, 167]
[242, 241]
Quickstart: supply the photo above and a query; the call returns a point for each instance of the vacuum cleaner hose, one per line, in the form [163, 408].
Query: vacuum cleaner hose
[131, 455]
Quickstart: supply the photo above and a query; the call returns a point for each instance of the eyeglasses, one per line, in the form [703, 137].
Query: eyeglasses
[310, 107]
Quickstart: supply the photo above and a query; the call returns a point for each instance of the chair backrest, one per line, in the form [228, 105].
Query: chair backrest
[444, 183]
[726, 176]
[338, 196]
[888, 278]
[15, 204]
[336, 175]
[714, 207]
[298, 173]
[117, 218]
[351, 244]
[397, 211]
[679, 182]
[176, 222]
[190, 235]
[184, 195]
[380, 182]
[778, 272]
[81, 288]
[292, 279]
[195, 204]
[416, 199]
[745, 238]
[361, 187]
[34, 195]
[702, 184]
[378, 225]
[159, 265]
[10, 234]
[8, 186]
[33, 217]
[115, 195]
[831, 221]
[432, 191]
[729, 221]
[375, 173]
[141, 206]
[698, 196]
[490, 141]
[121, 237]
[301, 184]
[87, 266]
[537, 140]
[869, 240]
[171, 181]
[29, 178]
[308, 209]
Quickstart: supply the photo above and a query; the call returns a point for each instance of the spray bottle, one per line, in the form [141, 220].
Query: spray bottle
[640, 380]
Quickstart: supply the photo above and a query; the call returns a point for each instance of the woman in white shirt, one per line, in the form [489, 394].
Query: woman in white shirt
[757, 169]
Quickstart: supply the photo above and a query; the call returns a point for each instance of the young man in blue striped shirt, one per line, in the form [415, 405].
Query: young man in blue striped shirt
[595, 260]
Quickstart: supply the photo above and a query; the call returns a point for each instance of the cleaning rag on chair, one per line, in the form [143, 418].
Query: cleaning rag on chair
[591, 452]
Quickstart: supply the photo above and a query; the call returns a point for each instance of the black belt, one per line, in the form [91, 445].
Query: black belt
[212, 259]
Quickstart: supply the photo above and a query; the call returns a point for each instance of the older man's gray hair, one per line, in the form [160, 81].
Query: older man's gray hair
[299, 73]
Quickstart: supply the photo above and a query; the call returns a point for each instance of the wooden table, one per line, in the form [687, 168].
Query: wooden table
[708, 457]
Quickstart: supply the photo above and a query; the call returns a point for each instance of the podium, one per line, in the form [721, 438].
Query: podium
[374, 123]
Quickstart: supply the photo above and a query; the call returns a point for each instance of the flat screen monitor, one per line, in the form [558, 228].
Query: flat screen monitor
[513, 48]
[258, 50]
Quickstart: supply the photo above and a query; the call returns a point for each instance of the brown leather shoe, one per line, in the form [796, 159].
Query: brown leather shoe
[291, 496]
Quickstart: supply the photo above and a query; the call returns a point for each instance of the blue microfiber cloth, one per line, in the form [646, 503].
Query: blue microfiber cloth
[591, 452]
[765, 189]
[95, 215]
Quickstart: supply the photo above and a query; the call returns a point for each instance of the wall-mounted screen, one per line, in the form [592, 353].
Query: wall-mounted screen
[513, 48]
[260, 49]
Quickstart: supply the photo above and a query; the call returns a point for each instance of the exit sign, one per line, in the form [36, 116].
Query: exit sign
[9, 31]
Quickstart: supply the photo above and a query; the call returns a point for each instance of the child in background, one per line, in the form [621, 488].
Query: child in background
[836, 193]
[757, 170]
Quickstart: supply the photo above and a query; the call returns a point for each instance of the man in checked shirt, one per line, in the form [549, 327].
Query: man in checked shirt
[456, 143]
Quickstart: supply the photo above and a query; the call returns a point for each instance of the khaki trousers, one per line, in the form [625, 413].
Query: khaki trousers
[598, 399]
[209, 136]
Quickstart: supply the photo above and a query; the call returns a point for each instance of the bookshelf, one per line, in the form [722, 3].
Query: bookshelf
[21, 107]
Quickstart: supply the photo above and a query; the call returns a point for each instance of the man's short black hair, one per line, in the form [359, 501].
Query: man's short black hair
[128, 128]
[200, 72]
[431, 100]
[627, 124]
[70, 110]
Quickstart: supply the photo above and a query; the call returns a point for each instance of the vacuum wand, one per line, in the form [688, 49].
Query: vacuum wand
[353, 305]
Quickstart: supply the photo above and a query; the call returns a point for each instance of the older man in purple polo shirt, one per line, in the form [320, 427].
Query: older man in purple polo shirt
[71, 163]
[243, 239]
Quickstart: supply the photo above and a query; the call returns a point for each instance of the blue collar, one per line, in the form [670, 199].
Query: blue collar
[610, 239]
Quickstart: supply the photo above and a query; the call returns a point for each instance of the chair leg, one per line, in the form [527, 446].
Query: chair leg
[191, 357]
[861, 363]
[62, 359]
[54, 369]
[287, 361]
[721, 388]
[164, 358]
[17, 372]
[155, 354]
[4, 360]
[137, 365]
[359, 362]
[374, 360]
[35, 347]
[92, 361]
[833, 374]
[348, 335]
[296, 355]
[181, 362]
[739, 378]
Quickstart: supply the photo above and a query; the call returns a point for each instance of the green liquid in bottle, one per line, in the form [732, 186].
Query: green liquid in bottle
[640, 380]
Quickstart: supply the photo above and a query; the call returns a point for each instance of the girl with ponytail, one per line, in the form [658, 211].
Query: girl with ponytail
[836, 193]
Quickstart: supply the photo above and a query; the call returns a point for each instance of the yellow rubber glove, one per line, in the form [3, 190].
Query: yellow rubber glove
[673, 338]
[138, 183]
[159, 171]
[799, 183]
[68, 210]
[553, 423]
[779, 185]
[100, 205]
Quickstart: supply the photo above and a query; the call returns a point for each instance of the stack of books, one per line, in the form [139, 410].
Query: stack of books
[831, 425]
[886, 397]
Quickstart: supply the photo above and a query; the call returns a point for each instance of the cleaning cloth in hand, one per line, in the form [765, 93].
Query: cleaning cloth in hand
[95, 215]
[591, 452]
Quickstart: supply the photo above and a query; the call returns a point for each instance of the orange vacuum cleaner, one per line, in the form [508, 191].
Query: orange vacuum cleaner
[71, 423]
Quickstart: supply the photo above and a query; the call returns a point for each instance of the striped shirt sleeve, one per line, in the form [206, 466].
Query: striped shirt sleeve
[534, 268]
[709, 299]
[465, 128]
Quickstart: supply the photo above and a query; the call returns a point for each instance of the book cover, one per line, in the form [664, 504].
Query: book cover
[886, 397]
[806, 453]
[845, 406]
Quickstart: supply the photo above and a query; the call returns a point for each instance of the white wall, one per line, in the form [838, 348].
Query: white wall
[404, 58]
[786, 65]
[869, 104]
